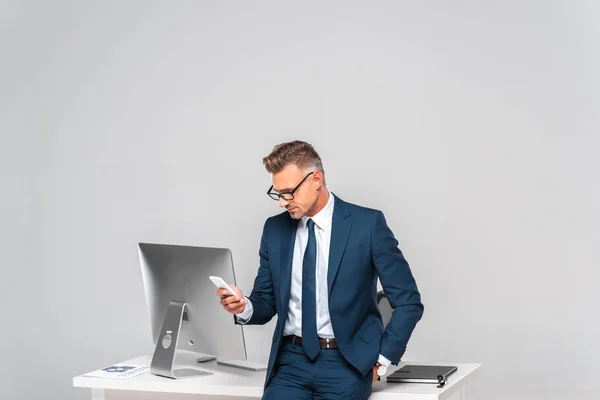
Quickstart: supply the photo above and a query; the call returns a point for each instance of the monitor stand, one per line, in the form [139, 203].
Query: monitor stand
[166, 345]
[249, 365]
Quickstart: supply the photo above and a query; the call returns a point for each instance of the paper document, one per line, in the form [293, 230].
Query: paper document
[121, 371]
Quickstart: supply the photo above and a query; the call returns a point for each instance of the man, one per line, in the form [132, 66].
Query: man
[319, 263]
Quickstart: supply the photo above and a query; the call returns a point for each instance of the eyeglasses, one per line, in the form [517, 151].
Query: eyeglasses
[286, 195]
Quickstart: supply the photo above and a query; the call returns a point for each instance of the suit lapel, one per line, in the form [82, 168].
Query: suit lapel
[288, 238]
[340, 230]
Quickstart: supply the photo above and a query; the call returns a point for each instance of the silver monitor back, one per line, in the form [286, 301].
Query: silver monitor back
[180, 273]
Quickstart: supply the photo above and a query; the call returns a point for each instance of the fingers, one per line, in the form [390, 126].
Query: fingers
[226, 298]
[234, 306]
[233, 301]
[375, 376]
[223, 293]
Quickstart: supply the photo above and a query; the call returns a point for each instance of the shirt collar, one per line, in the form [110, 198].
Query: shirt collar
[323, 218]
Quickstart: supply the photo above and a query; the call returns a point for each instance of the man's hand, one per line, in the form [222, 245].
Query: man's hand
[233, 304]
[375, 376]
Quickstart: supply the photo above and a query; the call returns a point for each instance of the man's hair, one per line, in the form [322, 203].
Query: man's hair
[302, 154]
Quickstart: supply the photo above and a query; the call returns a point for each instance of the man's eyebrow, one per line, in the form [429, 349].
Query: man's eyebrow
[282, 190]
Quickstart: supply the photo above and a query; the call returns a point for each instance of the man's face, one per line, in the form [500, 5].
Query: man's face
[305, 195]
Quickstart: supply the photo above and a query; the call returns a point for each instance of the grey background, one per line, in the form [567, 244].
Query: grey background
[473, 125]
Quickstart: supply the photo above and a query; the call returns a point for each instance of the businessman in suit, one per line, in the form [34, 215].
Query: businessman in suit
[319, 263]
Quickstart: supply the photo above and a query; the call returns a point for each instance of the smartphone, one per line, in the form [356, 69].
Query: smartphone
[221, 284]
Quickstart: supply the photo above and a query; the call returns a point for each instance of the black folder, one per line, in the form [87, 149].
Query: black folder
[422, 374]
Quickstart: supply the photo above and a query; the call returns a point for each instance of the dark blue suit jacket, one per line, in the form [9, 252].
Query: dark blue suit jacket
[362, 248]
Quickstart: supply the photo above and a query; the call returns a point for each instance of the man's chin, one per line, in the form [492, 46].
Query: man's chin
[295, 214]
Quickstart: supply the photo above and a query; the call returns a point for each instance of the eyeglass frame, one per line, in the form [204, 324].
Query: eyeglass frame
[291, 192]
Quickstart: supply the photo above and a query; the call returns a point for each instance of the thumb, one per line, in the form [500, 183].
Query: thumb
[237, 290]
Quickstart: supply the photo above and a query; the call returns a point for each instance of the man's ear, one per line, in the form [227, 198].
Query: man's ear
[318, 177]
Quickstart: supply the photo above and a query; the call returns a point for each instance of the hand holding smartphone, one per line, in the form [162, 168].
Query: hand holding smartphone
[232, 303]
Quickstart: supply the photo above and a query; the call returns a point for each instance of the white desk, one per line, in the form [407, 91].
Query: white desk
[234, 383]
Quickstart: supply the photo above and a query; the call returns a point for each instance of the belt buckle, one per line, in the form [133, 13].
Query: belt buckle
[327, 341]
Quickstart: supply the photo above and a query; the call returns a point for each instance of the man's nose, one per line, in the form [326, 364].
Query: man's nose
[283, 202]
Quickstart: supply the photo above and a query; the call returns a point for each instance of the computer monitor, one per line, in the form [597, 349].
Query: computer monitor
[185, 313]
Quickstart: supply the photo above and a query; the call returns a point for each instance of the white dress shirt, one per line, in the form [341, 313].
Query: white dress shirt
[293, 324]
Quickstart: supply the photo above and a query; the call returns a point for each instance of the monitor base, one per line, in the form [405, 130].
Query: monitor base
[249, 365]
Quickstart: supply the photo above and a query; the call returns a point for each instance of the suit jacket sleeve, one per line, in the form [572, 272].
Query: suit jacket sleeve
[263, 296]
[399, 287]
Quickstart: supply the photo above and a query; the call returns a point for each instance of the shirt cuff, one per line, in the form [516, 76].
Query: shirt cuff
[245, 315]
[383, 361]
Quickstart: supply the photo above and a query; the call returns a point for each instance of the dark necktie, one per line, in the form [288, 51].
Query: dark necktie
[310, 339]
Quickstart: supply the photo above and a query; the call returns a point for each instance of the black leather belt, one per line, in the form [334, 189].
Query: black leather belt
[323, 343]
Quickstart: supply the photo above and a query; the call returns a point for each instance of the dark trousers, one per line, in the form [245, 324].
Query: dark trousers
[329, 376]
